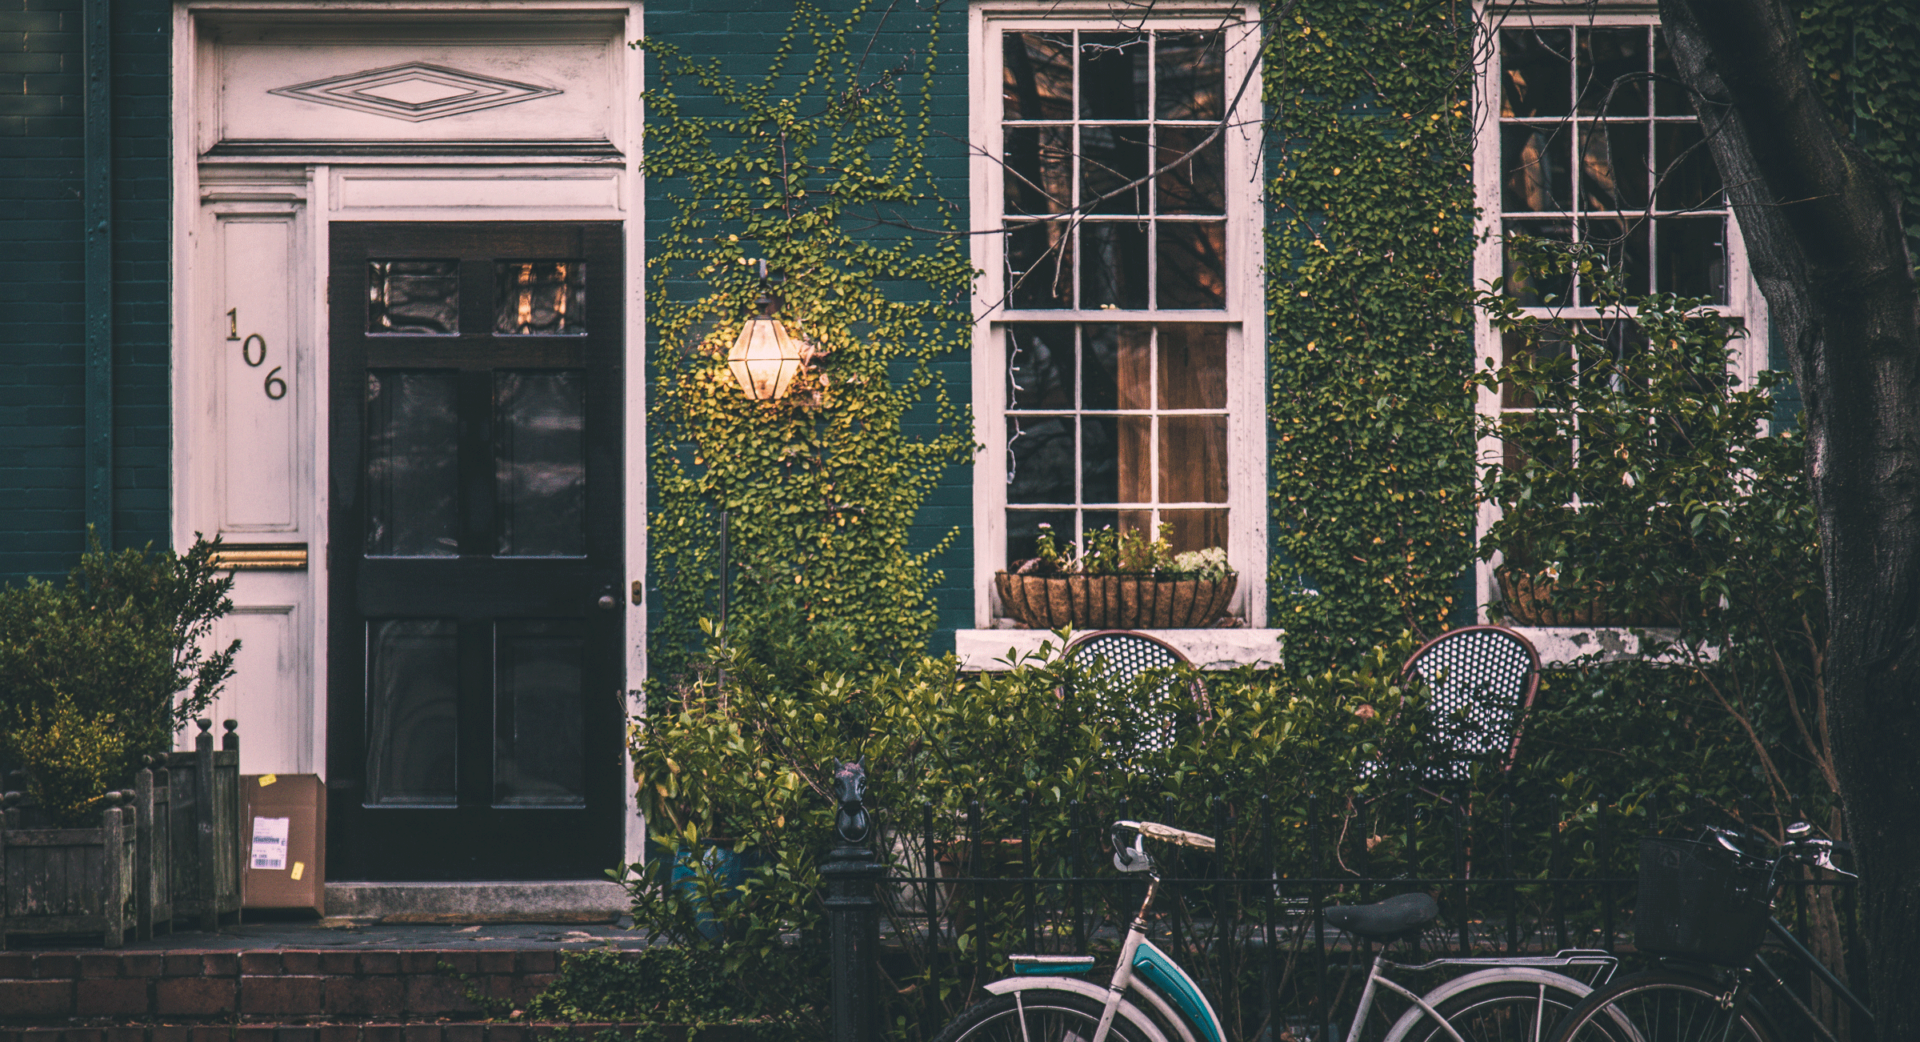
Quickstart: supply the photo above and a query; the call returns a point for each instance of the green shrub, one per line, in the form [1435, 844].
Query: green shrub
[117, 659]
[746, 768]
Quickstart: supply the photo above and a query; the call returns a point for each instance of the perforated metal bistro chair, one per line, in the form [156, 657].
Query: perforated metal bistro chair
[1480, 682]
[1114, 661]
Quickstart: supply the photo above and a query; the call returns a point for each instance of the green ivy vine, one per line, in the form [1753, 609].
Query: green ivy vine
[819, 168]
[1865, 58]
[1369, 244]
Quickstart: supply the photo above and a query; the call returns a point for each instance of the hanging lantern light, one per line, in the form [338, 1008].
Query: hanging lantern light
[765, 357]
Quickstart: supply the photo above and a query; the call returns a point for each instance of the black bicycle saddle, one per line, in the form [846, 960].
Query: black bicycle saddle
[1390, 918]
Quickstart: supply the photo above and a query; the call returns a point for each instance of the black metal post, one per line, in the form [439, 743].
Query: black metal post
[852, 912]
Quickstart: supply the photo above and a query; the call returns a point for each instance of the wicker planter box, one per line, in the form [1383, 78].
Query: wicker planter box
[1532, 600]
[68, 881]
[1114, 602]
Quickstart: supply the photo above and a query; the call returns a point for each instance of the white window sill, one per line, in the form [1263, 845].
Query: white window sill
[989, 651]
[1564, 645]
[986, 651]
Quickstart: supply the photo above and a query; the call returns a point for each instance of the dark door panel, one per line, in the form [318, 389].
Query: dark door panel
[475, 553]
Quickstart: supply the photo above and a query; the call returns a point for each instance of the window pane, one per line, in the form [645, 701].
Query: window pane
[1037, 77]
[532, 297]
[1113, 76]
[1191, 71]
[1193, 367]
[413, 464]
[1040, 459]
[1039, 170]
[1195, 184]
[538, 730]
[1536, 290]
[1536, 76]
[1613, 67]
[1113, 166]
[1134, 435]
[1099, 459]
[1193, 265]
[1040, 367]
[1024, 528]
[1039, 269]
[1669, 96]
[1687, 177]
[1195, 529]
[1117, 358]
[1613, 171]
[540, 462]
[412, 712]
[1533, 167]
[414, 297]
[1622, 242]
[1193, 459]
[1113, 258]
[1692, 257]
[1513, 347]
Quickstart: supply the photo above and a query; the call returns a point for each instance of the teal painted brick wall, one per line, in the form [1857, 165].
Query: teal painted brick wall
[42, 272]
[745, 35]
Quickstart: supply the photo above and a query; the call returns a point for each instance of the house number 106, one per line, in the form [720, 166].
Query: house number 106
[253, 351]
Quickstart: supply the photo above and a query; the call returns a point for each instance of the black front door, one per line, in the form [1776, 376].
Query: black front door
[475, 553]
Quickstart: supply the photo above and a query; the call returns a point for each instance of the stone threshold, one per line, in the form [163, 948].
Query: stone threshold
[560, 901]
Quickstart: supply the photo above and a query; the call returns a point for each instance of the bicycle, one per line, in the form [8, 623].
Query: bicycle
[1706, 912]
[1151, 999]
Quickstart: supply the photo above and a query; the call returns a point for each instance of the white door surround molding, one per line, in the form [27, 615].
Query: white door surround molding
[288, 115]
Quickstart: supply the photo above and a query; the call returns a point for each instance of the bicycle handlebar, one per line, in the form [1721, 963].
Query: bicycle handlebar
[1168, 833]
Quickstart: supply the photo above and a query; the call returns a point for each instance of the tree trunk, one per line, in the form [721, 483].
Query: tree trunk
[1825, 240]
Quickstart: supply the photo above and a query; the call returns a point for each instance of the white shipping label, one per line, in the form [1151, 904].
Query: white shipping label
[270, 843]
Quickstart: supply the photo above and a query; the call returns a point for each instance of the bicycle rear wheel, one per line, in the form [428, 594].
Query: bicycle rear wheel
[1662, 1006]
[1502, 1011]
[1033, 1016]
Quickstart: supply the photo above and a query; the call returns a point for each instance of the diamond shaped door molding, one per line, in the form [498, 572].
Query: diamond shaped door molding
[415, 92]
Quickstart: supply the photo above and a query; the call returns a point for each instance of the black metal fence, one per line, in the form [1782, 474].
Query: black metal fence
[1514, 873]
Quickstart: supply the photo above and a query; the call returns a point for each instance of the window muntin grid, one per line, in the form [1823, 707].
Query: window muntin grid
[1084, 115]
[1116, 424]
[1598, 145]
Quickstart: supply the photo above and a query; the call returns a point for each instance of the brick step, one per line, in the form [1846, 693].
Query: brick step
[279, 987]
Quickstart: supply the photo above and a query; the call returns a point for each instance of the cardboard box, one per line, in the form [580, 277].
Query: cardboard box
[286, 852]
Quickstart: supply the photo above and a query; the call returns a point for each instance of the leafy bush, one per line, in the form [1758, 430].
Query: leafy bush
[734, 781]
[657, 985]
[102, 671]
[1644, 476]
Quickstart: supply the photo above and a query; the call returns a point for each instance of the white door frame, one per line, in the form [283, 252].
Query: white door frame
[304, 186]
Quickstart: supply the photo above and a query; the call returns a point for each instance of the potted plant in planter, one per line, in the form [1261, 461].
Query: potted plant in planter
[96, 678]
[1122, 581]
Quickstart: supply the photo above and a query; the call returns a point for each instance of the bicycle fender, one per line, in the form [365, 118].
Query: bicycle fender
[1500, 975]
[1097, 992]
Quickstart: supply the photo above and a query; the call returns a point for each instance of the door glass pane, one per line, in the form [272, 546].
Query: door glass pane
[537, 726]
[540, 462]
[539, 297]
[412, 712]
[413, 464]
[414, 297]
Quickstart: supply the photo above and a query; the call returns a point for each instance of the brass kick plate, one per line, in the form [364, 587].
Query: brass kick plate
[261, 556]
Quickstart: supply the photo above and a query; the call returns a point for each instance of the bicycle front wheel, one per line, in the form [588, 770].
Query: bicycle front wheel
[1502, 1011]
[1034, 1016]
[1662, 1006]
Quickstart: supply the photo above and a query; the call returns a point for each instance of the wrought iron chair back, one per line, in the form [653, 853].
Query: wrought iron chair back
[1480, 682]
[1113, 661]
